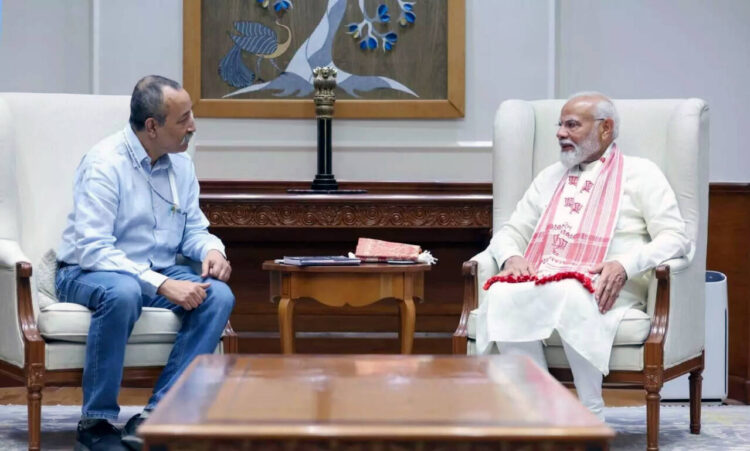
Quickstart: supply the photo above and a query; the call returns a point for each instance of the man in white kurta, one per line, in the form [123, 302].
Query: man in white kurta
[647, 229]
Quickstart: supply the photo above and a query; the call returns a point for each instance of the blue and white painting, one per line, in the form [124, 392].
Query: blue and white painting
[265, 56]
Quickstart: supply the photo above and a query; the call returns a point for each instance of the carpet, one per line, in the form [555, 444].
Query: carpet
[723, 427]
[58, 426]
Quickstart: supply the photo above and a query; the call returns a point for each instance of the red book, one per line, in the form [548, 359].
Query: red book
[370, 250]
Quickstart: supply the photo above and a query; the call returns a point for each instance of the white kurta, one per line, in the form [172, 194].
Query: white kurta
[649, 230]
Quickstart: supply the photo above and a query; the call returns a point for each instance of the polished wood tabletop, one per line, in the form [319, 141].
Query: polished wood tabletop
[373, 397]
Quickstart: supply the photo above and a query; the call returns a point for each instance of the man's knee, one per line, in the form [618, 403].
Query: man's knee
[221, 296]
[124, 296]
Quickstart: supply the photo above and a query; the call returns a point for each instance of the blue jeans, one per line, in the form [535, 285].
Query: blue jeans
[115, 300]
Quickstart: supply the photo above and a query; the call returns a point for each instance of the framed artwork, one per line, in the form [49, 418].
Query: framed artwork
[394, 58]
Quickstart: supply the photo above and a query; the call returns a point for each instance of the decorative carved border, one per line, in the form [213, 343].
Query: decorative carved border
[288, 214]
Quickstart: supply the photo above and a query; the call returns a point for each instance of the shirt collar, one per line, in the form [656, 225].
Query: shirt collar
[140, 153]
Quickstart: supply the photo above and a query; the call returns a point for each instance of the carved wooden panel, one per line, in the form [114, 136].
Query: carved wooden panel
[260, 221]
[380, 212]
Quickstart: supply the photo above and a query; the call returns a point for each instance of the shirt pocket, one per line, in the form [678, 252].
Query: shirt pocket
[173, 231]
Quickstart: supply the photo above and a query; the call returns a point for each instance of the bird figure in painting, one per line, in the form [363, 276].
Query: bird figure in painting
[257, 39]
[317, 51]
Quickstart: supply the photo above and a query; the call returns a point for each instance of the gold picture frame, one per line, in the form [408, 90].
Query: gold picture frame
[451, 106]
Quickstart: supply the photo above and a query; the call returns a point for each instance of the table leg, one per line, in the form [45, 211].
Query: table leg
[406, 333]
[286, 325]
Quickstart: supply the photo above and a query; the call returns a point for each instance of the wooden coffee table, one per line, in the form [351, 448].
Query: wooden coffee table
[368, 402]
[337, 286]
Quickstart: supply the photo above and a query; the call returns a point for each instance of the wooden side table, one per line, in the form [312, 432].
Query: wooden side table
[336, 286]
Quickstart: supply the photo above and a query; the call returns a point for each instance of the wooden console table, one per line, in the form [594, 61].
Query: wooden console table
[336, 286]
[260, 221]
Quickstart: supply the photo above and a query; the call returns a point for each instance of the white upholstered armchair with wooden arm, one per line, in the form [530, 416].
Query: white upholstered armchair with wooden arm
[667, 339]
[42, 341]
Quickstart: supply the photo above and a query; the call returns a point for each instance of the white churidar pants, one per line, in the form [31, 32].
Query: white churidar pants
[586, 377]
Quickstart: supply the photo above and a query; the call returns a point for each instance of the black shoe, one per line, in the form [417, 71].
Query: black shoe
[129, 437]
[98, 436]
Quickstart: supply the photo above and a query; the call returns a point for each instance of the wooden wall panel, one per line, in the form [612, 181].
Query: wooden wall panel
[729, 252]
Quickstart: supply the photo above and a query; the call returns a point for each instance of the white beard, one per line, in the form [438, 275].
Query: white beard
[581, 152]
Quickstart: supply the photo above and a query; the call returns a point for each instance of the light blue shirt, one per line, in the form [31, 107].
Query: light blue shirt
[129, 217]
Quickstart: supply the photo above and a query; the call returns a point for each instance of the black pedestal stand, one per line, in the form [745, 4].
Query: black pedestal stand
[325, 182]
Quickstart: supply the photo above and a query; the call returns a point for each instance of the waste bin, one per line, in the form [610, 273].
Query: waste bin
[717, 341]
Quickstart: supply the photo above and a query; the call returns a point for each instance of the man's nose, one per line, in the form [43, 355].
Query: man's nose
[562, 132]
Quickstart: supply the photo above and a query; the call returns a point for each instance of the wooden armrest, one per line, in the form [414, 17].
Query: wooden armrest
[33, 341]
[25, 307]
[469, 271]
[653, 355]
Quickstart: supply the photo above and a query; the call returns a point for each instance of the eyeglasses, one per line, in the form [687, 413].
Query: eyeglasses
[573, 125]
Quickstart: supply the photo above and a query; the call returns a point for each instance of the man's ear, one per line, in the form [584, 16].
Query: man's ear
[608, 126]
[151, 127]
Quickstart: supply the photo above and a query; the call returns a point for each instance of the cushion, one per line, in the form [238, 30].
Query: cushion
[44, 274]
[633, 330]
[623, 358]
[45, 300]
[60, 355]
[67, 321]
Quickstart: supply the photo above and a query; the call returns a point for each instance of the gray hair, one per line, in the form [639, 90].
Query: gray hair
[148, 100]
[604, 109]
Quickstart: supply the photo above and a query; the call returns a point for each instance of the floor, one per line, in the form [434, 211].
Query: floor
[139, 396]
[724, 428]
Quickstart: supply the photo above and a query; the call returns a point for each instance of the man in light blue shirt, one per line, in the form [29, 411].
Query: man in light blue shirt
[136, 208]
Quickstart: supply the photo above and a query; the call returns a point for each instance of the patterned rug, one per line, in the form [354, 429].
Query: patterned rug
[723, 427]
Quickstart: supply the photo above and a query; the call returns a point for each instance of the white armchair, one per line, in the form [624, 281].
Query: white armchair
[666, 341]
[42, 341]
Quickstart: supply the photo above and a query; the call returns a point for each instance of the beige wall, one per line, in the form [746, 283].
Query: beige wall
[515, 49]
[666, 48]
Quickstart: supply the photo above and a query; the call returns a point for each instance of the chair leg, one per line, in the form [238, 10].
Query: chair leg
[34, 408]
[696, 389]
[652, 418]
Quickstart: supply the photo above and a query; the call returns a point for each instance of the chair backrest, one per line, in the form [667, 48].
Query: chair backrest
[47, 135]
[673, 133]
